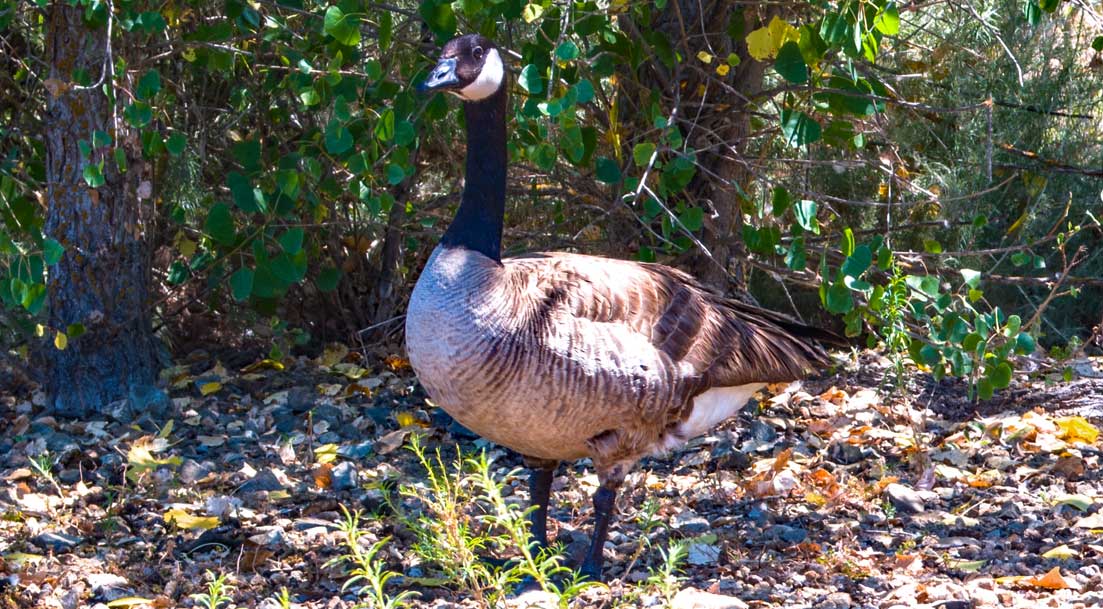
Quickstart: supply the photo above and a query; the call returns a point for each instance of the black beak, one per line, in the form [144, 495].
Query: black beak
[443, 76]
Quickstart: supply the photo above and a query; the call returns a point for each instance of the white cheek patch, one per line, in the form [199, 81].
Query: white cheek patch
[489, 80]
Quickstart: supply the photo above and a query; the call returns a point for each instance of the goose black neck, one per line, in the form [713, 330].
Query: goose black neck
[478, 223]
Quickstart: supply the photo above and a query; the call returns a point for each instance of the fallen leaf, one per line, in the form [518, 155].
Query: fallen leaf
[182, 519]
[968, 566]
[1080, 502]
[1061, 552]
[334, 354]
[210, 387]
[130, 601]
[211, 441]
[390, 442]
[326, 453]
[351, 371]
[396, 363]
[264, 364]
[1095, 521]
[323, 475]
[1050, 581]
[1077, 430]
[1069, 466]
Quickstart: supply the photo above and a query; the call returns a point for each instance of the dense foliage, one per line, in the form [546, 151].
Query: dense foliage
[930, 170]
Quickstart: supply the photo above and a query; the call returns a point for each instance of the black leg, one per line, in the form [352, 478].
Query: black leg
[540, 481]
[604, 500]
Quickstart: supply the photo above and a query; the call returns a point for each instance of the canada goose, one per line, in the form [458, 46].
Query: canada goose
[562, 356]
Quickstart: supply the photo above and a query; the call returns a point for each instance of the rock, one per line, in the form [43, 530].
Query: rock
[263, 481]
[703, 554]
[329, 437]
[758, 514]
[692, 598]
[904, 499]
[355, 451]
[69, 476]
[689, 522]
[847, 454]
[149, 400]
[344, 476]
[305, 524]
[791, 535]
[837, 600]
[107, 585]
[192, 471]
[58, 543]
[300, 399]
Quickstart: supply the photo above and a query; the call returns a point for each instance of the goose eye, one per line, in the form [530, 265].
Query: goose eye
[477, 52]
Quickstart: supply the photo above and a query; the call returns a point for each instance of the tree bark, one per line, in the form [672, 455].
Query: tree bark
[103, 280]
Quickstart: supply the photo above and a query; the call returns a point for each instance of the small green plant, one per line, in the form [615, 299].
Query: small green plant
[665, 577]
[43, 465]
[218, 592]
[367, 570]
[888, 509]
[283, 597]
[466, 514]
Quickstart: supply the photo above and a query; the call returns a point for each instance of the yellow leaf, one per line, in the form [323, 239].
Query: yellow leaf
[130, 601]
[209, 388]
[759, 44]
[352, 371]
[397, 363]
[186, 247]
[61, 341]
[723, 69]
[405, 419]
[1077, 429]
[325, 453]
[704, 56]
[1061, 552]
[21, 558]
[781, 32]
[39, 330]
[969, 566]
[264, 364]
[166, 431]
[184, 520]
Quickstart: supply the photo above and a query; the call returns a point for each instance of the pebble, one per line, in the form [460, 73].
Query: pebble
[355, 451]
[192, 471]
[703, 554]
[836, 600]
[56, 542]
[692, 598]
[792, 535]
[690, 522]
[904, 499]
[263, 481]
[344, 476]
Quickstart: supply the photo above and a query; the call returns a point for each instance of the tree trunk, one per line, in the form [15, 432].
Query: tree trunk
[103, 280]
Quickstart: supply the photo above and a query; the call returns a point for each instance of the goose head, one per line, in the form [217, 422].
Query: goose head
[470, 67]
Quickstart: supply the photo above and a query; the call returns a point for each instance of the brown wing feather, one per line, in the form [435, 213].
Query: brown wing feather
[724, 342]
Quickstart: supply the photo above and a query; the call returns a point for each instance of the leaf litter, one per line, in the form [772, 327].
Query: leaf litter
[826, 493]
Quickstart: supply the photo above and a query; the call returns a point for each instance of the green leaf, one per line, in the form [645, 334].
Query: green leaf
[241, 284]
[985, 388]
[176, 143]
[148, 85]
[779, 201]
[799, 128]
[929, 355]
[805, 212]
[138, 114]
[796, 257]
[607, 170]
[93, 175]
[858, 262]
[395, 173]
[584, 91]
[345, 29]
[970, 342]
[291, 240]
[338, 137]
[790, 63]
[75, 330]
[52, 251]
[567, 51]
[931, 246]
[888, 20]
[328, 278]
[971, 277]
[693, 219]
[1020, 258]
[1000, 375]
[847, 244]
[1049, 6]
[1033, 12]
[641, 153]
[543, 155]
[530, 80]
[925, 284]
[1097, 44]
[245, 197]
[404, 133]
[532, 12]
[220, 224]
[1025, 344]
[384, 128]
[100, 139]
[838, 299]
[1013, 325]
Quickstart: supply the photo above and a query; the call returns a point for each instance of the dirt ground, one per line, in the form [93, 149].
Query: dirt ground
[839, 491]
